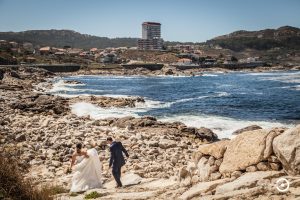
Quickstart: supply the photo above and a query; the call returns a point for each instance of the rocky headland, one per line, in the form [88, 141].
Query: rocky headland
[167, 160]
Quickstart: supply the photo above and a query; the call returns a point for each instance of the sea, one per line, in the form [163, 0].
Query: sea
[223, 102]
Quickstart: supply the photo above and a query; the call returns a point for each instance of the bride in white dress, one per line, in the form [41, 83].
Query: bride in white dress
[86, 168]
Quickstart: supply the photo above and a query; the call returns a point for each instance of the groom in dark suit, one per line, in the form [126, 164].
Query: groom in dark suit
[116, 159]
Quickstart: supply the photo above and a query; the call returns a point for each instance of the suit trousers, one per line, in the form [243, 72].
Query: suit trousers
[116, 171]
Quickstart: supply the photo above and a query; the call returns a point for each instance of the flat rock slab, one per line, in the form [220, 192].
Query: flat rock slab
[127, 180]
[237, 194]
[158, 184]
[201, 187]
[132, 195]
[247, 180]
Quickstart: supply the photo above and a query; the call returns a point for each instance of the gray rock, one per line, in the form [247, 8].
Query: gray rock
[286, 147]
[20, 137]
[248, 128]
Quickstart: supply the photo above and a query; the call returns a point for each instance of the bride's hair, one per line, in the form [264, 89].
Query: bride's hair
[78, 147]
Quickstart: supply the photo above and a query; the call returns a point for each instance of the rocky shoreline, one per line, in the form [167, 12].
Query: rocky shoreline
[167, 160]
[172, 71]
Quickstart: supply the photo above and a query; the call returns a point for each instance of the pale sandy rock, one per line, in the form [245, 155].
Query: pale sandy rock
[251, 168]
[158, 184]
[204, 169]
[184, 176]
[287, 148]
[275, 166]
[197, 156]
[247, 149]
[248, 180]
[247, 193]
[236, 174]
[195, 179]
[191, 167]
[269, 141]
[165, 143]
[127, 180]
[211, 160]
[201, 188]
[131, 195]
[263, 166]
[248, 128]
[218, 162]
[215, 176]
[216, 149]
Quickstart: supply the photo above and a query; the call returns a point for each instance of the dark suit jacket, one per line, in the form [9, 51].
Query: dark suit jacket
[116, 154]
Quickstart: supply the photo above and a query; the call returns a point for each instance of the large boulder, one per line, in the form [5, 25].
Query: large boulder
[216, 149]
[204, 169]
[248, 128]
[248, 148]
[287, 148]
[206, 134]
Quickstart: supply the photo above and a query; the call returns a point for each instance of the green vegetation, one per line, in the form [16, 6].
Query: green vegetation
[69, 38]
[284, 37]
[62, 38]
[13, 185]
[73, 194]
[92, 195]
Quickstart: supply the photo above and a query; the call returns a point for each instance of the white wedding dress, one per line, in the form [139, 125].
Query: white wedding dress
[87, 172]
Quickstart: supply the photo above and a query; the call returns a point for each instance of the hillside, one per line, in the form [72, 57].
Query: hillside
[60, 38]
[285, 37]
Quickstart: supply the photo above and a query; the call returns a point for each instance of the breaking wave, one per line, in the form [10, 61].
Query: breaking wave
[222, 126]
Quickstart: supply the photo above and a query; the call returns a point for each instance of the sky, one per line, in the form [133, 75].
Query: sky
[182, 20]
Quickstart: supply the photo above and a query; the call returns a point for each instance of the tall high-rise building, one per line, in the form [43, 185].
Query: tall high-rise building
[151, 39]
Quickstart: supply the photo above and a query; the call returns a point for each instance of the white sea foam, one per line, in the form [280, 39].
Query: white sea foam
[210, 75]
[84, 109]
[61, 88]
[222, 126]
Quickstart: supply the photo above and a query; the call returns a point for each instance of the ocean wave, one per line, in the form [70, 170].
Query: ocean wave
[285, 77]
[96, 112]
[222, 126]
[210, 75]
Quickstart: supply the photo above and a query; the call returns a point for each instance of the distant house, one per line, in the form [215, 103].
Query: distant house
[13, 44]
[45, 50]
[108, 58]
[4, 45]
[93, 50]
[184, 61]
[74, 52]
[59, 53]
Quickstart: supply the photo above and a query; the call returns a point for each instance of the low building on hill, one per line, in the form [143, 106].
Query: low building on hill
[4, 45]
[184, 61]
[60, 53]
[74, 52]
[13, 44]
[93, 51]
[45, 50]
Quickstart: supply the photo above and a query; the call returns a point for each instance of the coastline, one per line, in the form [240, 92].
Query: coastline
[172, 71]
[45, 130]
